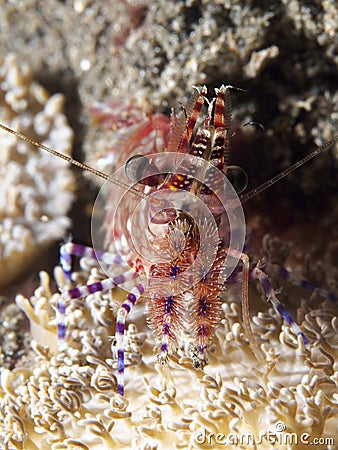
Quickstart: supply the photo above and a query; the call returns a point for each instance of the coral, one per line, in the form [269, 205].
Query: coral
[34, 202]
[68, 400]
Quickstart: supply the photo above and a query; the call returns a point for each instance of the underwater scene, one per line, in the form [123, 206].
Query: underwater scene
[168, 225]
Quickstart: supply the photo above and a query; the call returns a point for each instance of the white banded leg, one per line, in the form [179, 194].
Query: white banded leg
[122, 312]
[82, 291]
[270, 295]
[70, 249]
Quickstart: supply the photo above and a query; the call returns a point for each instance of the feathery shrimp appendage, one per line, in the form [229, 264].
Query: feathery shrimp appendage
[205, 309]
[166, 319]
[167, 284]
[194, 273]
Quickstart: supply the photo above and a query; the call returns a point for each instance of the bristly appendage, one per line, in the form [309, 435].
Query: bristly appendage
[174, 305]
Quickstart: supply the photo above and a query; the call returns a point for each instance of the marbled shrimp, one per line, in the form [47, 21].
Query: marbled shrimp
[177, 255]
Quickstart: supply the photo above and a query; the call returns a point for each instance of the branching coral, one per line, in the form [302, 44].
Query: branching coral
[68, 400]
[34, 202]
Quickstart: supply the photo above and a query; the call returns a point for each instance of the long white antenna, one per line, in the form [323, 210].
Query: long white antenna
[74, 162]
[245, 197]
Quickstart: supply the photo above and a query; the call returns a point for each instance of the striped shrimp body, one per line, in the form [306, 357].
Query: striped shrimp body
[174, 228]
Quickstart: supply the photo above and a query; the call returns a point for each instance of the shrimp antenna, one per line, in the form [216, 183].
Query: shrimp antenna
[245, 197]
[74, 162]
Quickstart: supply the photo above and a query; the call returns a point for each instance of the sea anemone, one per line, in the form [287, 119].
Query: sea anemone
[68, 400]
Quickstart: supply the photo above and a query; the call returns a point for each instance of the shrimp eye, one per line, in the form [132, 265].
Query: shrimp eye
[135, 167]
[141, 169]
[237, 177]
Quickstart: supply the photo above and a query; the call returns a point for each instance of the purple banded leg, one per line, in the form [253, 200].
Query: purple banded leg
[82, 291]
[122, 312]
[165, 340]
[66, 262]
[70, 249]
[259, 275]
[287, 275]
[61, 324]
[236, 277]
